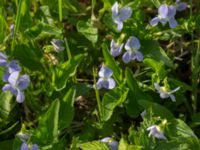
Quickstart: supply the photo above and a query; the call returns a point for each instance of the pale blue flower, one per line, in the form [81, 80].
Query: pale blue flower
[180, 6]
[115, 48]
[58, 45]
[120, 15]
[132, 46]
[165, 14]
[16, 85]
[105, 80]
[112, 143]
[155, 131]
[24, 146]
[33, 147]
[164, 93]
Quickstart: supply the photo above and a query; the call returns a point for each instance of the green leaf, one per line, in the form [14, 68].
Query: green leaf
[158, 110]
[179, 144]
[123, 144]
[152, 49]
[95, 145]
[47, 131]
[66, 113]
[179, 128]
[158, 67]
[29, 55]
[111, 100]
[6, 104]
[41, 31]
[110, 62]
[135, 94]
[64, 71]
[88, 30]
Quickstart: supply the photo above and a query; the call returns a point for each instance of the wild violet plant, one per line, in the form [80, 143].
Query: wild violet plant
[61, 110]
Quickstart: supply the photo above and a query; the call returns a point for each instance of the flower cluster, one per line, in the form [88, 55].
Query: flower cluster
[132, 45]
[33, 147]
[15, 83]
[155, 131]
[167, 14]
[164, 93]
[113, 144]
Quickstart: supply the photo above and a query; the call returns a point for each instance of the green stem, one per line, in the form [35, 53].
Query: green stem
[17, 22]
[97, 95]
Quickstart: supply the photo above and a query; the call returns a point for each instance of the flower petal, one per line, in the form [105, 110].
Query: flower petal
[34, 147]
[115, 10]
[24, 146]
[14, 66]
[5, 75]
[172, 11]
[137, 56]
[8, 87]
[106, 139]
[115, 49]
[99, 83]
[181, 6]
[173, 23]
[111, 83]
[163, 11]
[172, 97]
[105, 72]
[23, 82]
[119, 25]
[132, 44]
[154, 21]
[126, 57]
[20, 96]
[125, 13]
[113, 145]
[13, 78]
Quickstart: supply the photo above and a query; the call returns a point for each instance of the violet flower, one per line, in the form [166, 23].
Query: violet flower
[180, 6]
[33, 147]
[132, 46]
[113, 144]
[105, 80]
[165, 14]
[164, 93]
[115, 48]
[16, 85]
[120, 15]
[155, 131]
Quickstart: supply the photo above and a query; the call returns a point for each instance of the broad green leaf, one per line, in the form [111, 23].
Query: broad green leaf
[88, 30]
[123, 145]
[111, 100]
[41, 31]
[95, 145]
[66, 113]
[64, 71]
[110, 62]
[135, 94]
[179, 128]
[6, 104]
[158, 67]
[47, 131]
[179, 144]
[29, 55]
[157, 109]
[152, 49]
